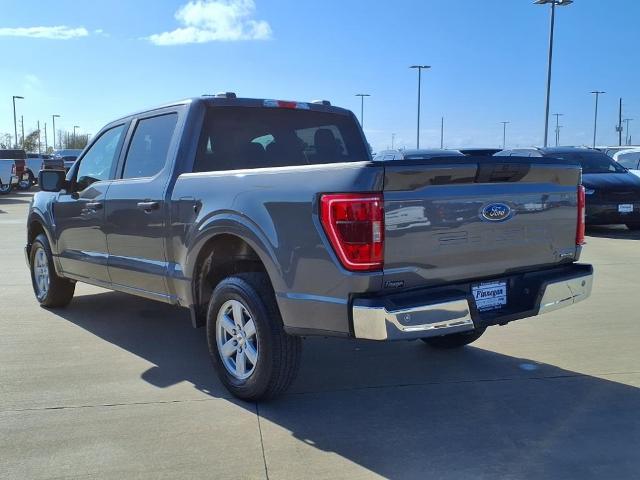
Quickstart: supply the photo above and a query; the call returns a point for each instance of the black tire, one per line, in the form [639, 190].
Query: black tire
[60, 290]
[5, 188]
[455, 340]
[633, 226]
[25, 185]
[278, 358]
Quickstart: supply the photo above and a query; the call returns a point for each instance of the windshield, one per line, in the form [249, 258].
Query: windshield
[592, 162]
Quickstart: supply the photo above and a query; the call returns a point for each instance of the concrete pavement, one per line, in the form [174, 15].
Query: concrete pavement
[116, 386]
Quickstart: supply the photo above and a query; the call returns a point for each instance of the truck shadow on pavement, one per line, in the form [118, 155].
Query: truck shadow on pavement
[400, 410]
[613, 231]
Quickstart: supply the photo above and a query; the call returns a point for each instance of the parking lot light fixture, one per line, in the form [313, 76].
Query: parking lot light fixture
[553, 3]
[15, 123]
[362, 95]
[419, 68]
[597, 93]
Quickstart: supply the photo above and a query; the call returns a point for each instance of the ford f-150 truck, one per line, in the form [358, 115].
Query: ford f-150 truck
[270, 221]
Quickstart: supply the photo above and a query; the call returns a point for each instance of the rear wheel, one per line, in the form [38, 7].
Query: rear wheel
[633, 226]
[51, 290]
[253, 356]
[455, 340]
[26, 183]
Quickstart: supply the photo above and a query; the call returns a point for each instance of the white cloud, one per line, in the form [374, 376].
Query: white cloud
[59, 32]
[214, 20]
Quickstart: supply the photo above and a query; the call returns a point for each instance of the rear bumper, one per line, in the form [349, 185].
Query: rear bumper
[446, 310]
[608, 214]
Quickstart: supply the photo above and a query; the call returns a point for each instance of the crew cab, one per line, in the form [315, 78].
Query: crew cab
[270, 221]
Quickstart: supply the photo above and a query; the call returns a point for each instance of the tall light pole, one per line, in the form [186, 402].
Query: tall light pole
[53, 117]
[46, 143]
[504, 134]
[560, 3]
[362, 95]
[74, 135]
[15, 123]
[558, 115]
[597, 93]
[627, 137]
[420, 68]
[22, 126]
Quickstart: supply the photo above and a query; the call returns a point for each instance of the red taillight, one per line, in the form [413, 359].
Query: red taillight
[581, 214]
[354, 223]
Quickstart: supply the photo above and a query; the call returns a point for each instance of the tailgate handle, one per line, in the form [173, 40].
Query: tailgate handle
[148, 206]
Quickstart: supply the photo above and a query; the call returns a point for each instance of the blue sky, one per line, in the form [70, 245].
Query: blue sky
[488, 59]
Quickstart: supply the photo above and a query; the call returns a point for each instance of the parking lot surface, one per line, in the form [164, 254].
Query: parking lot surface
[116, 386]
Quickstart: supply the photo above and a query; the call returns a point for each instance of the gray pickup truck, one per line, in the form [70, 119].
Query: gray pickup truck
[270, 221]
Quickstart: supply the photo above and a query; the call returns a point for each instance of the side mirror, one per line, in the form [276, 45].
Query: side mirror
[52, 180]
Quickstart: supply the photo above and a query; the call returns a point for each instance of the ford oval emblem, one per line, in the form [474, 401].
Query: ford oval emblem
[496, 212]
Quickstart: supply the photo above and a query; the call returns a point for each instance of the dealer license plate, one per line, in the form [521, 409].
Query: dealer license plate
[490, 296]
[625, 208]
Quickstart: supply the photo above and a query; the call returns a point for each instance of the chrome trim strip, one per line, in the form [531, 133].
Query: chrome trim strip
[378, 323]
[566, 292]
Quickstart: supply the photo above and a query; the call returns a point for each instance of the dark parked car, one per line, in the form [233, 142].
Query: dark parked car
[612, 192]
[269, 220]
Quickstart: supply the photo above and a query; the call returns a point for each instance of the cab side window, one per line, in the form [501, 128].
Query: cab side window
[149, 146]
[97, 164]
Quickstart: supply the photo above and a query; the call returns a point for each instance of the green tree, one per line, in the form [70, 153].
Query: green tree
[30, 143]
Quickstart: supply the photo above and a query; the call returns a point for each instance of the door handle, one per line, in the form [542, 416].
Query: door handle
[148, 206]
[94, 205]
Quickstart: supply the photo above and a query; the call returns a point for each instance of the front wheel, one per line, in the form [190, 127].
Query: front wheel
[5, 188]
[254, 357]
[455, 340]
[51, 290]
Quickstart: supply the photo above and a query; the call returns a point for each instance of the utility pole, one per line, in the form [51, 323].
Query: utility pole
[22, 125]
[362, 95]
[627, 136]
[46, 143]
[53, 117]
[597, 93]
[558, 115]
[15, 124]
[39, 151]
[504, 134]
[419, 68]
[619, 126]
[441, 133]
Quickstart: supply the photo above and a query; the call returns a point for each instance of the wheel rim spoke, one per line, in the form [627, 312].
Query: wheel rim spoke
[228, 348]
[250, 328]
[250, 353]
[41, 272]
[227, 324]
[241, 363]
[237, 313]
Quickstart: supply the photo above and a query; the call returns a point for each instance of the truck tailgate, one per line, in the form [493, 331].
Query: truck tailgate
[455, 219]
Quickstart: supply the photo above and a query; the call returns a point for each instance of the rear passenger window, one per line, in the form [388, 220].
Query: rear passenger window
[248, 137]
[149, 146]
[629, 160]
